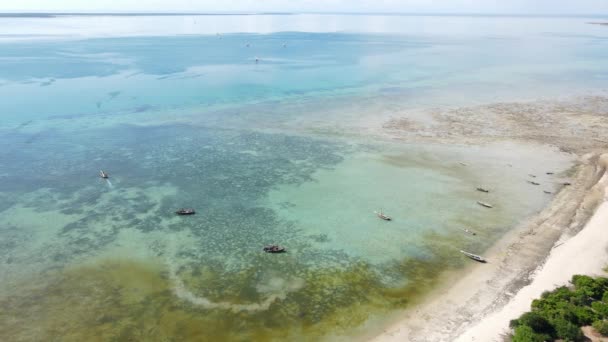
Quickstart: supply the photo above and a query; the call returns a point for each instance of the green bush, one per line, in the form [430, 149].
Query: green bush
[535, 321]
[567, 330]
[600, 308]
[553, 299]
[561, 313]
[589, 289]
[584, 315]
[601, 327]
[524, 333]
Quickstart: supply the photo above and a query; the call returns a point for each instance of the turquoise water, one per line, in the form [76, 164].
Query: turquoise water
[179, 113]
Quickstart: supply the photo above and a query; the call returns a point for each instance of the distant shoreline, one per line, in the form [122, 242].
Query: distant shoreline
[422, 14]
[112, 14]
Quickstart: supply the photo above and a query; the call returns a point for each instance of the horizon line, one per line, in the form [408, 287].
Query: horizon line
[182, 13]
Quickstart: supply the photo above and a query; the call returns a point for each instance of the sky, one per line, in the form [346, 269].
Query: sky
[561, 7]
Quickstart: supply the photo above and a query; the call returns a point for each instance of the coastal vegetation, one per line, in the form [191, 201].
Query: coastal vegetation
[561, 313]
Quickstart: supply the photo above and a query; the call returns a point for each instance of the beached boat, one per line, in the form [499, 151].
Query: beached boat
[473, 256]
[484, 204]
[482, 189]
[274, 249]
[103, 174]
[383, 215]
[468, 231]
[185, 211]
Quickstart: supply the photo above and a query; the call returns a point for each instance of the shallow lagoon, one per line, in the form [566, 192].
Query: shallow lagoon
[270, 153]
[116, 245]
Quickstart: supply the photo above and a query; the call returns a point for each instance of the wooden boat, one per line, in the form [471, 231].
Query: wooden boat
[383, 215]
[482, 189]
[549, 173]
[533, 183]
[103, 174]
[566, 183]
[531, 175]
[274, 249]
[473, 256]
[484, 204]
[547, 192]
[468, 231]
[185, 211]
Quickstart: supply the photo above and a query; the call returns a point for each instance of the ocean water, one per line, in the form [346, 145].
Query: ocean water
[283, 150]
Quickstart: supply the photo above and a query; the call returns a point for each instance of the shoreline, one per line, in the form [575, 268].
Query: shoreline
[467, 297]
[584, 253]
[502, 289]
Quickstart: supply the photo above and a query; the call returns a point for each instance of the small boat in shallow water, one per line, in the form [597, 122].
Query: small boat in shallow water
[533, 183]
[482, 189]
[473, 256]
[103, 174]
[484, 204]
[383, 215]
[468, 231]
[274, 249]
[185, 211]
